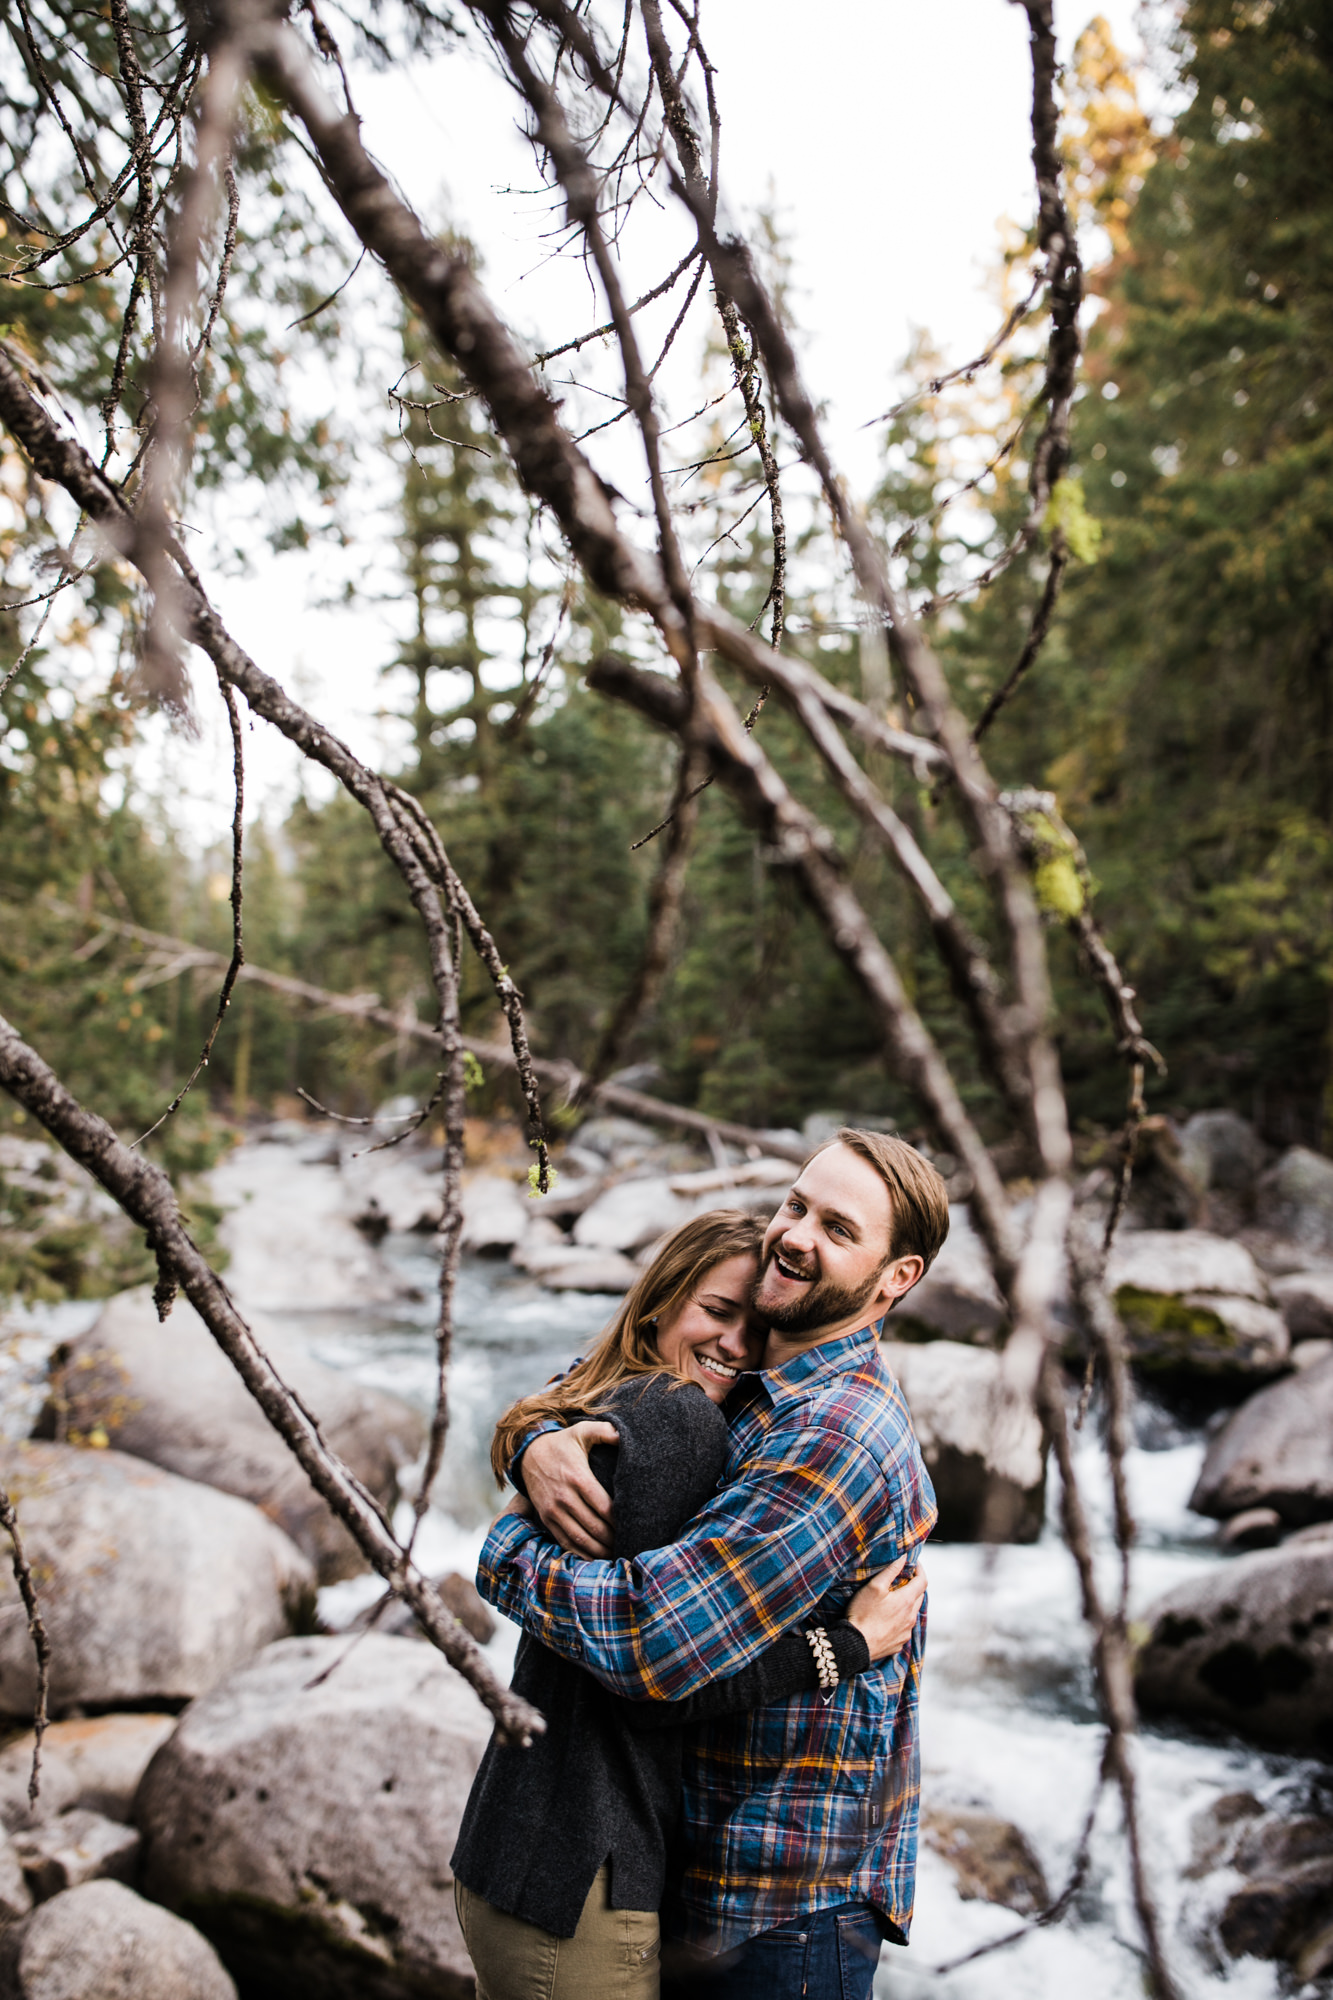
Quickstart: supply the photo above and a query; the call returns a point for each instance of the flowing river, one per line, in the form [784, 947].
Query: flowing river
[1009, 1725]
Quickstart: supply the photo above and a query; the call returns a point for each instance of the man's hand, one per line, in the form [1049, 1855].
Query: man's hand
[884, 1610]
[574, 1506]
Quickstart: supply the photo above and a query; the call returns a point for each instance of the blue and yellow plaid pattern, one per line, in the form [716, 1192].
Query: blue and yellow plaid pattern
[808, 1803]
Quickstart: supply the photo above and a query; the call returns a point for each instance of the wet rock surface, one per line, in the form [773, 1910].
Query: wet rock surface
[313, 1824]
[1284, 1907]
[984, 1454]
[102, 1942]
[990, 1858]
[1275, 1452]
[1248, 1647]
[165, 1392]
[153, 1586]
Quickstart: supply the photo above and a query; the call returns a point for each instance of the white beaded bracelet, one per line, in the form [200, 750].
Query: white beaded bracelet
[826, 1665]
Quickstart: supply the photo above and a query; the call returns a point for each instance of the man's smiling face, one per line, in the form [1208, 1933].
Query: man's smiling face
[826, 1263]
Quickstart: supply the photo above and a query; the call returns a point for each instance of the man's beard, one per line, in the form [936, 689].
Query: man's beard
[824, 1304]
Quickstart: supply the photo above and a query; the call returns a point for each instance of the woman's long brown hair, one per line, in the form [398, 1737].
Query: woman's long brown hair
[628, 1347]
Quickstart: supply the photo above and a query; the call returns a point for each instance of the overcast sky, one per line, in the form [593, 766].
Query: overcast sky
[891, 147]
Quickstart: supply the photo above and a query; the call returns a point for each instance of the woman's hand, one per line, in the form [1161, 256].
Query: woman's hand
[884, 1611]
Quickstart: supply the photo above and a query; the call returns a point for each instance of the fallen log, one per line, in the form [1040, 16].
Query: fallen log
[555, 1075]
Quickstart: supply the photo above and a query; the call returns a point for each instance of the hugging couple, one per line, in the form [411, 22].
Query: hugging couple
[713, 1559]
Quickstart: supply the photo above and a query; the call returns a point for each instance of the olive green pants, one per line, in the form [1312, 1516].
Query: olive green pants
[613, 1955]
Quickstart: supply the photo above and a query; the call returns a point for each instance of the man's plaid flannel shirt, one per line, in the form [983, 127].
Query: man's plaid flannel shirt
[808, 1803]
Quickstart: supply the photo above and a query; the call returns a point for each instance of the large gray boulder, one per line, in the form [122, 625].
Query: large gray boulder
[1219, 1149]
[630, 1214]
[1175, 1261]
[94, 1762]
[984, 1452]
[958, 1299]
[1195, 1305]
[621, 1143]
[547, 1254]
[1295, 1200]
[77, 1846]
[152, 1587]
[1276, 1451]
[312, 1825]
[164, 1391]
[291, 1229]
[102, 1942]
[1305, 1301]
[1248, 1646]
[496, 1213]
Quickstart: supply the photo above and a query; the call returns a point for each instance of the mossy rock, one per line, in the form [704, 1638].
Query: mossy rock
[1201, 1338]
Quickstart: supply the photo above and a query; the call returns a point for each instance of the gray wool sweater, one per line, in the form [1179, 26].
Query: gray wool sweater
[604, 1782]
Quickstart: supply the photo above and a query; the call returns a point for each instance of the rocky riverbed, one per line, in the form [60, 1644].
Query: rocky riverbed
[207, 1777]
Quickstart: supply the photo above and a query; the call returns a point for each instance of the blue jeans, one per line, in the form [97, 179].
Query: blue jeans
[829, 1955]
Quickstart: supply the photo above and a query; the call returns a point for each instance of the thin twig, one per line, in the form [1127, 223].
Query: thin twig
[236, 899]
[336, 293]
[969, 370]
[41, 1644]
[1040, 626]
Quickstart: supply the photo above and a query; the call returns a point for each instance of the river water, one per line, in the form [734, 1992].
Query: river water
[1009, 1721]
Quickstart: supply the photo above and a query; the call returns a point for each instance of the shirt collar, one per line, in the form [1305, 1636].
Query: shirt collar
[819, 1363]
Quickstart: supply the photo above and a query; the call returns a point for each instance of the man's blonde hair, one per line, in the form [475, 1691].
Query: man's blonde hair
[919, 1200]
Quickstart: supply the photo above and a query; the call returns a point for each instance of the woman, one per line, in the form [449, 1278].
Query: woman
[562, 1856]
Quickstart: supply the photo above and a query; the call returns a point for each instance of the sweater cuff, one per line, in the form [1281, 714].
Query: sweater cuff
[849, 1650]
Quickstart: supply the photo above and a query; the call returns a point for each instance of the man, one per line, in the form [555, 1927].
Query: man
[801, 1818]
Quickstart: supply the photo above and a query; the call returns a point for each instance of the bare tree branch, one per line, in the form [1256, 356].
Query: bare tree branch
[146, 1195]
[801, 843]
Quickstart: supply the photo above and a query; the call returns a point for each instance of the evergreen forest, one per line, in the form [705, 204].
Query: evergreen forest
[1180, 708]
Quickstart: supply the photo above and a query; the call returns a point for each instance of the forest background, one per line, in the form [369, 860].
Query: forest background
[1181, 710]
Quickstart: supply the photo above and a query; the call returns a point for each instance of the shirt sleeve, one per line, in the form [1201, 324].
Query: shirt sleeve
[813, 1514]
[787, 1668]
